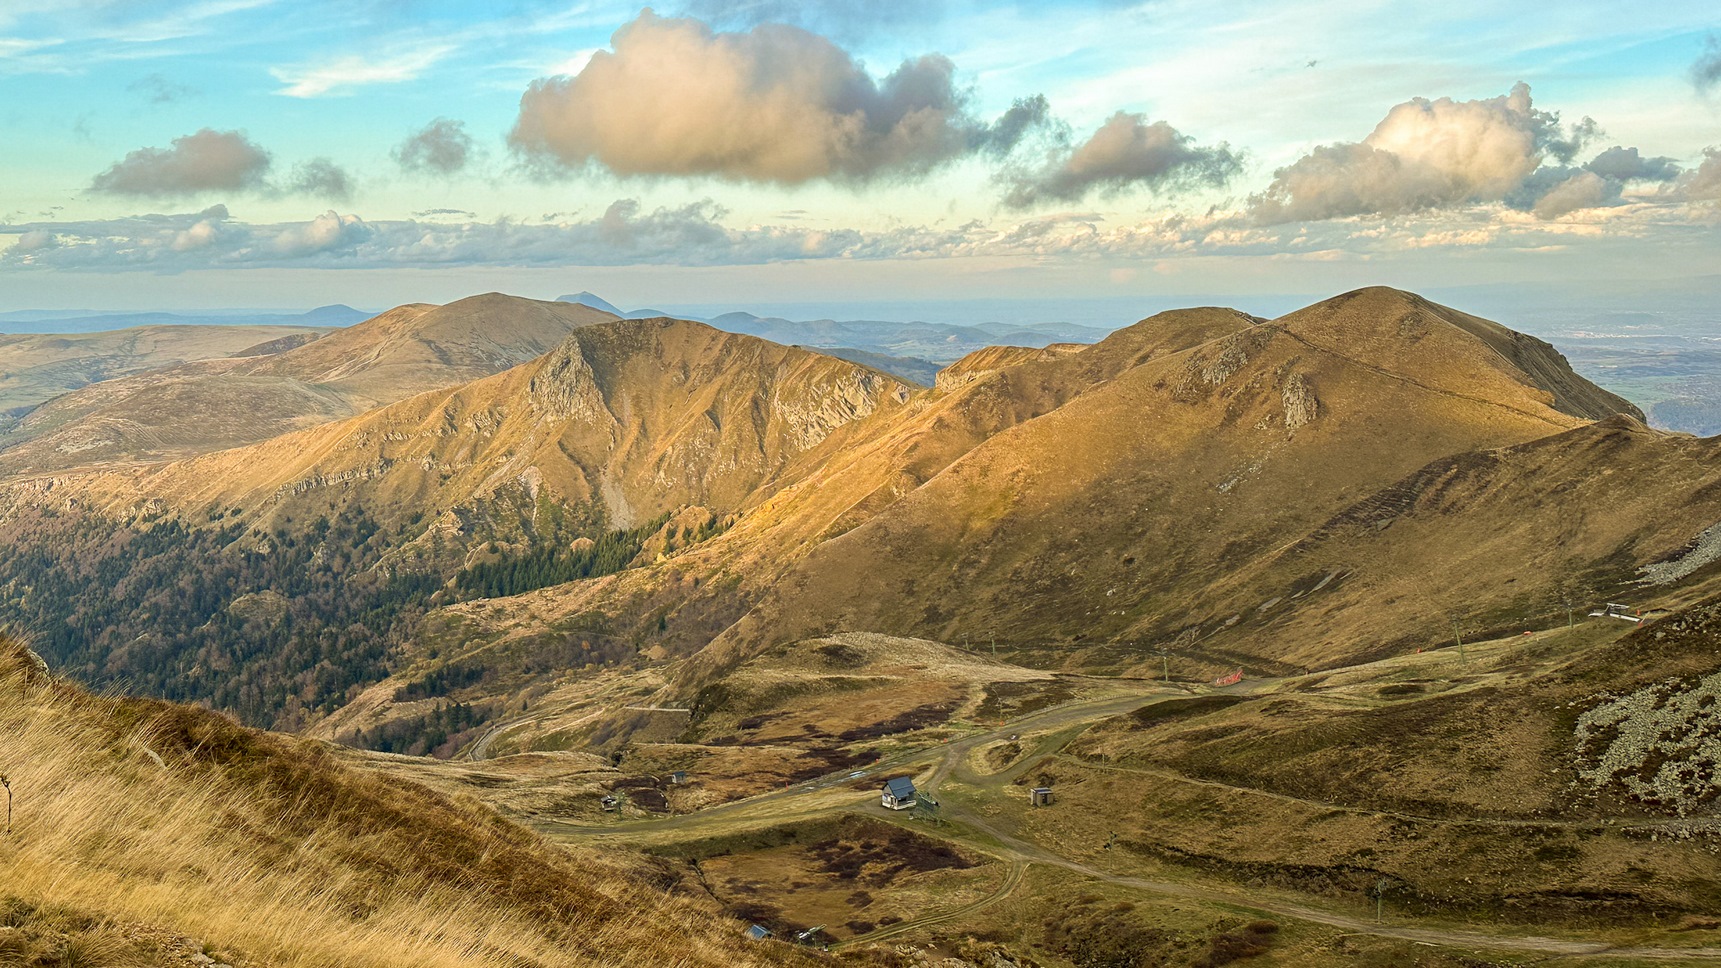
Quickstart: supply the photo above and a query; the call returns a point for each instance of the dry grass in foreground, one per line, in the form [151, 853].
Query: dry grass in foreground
[153, 834]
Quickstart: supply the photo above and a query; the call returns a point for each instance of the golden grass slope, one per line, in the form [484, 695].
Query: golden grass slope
[215, 404]
[851, 477]
[145, 832]
[1114, 517]
[644, 416]
[1173, 482]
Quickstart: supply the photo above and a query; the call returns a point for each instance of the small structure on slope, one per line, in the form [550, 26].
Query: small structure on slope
[898, 793]
[1040, 797]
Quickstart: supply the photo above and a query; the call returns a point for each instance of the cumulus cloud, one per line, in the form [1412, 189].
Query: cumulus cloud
[1706, 73]
[1126, 152]
[328, 232]
[1443, 154]
[208, 231]
[319, 178]
[1577, 190]
[773, 104]
[209, 160]
[36, 241]
[1703, 183]
[441, 147]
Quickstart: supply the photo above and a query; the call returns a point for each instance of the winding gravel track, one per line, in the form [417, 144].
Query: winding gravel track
[945, 759]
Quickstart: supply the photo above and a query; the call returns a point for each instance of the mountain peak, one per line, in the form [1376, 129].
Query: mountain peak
[1440, 347]
[585, 298]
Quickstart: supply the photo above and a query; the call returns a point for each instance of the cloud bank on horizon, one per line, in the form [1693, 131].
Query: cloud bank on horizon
[679, 140]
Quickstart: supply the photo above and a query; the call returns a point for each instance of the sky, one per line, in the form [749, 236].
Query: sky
[294, 153]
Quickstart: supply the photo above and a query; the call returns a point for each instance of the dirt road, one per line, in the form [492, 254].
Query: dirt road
[1057, 727]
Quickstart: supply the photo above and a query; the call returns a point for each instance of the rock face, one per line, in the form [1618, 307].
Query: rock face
[1660, 744]
[981, 364]
[1301, 406]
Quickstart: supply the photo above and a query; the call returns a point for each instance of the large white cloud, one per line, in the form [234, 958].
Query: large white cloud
[208, 160]
[1441, 154]
[772, 104]
[1127, 151]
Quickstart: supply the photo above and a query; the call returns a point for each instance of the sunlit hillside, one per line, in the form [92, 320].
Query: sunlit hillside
[150, 834]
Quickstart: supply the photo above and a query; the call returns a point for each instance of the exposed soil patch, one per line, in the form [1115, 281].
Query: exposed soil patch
[1014, 699]
[920, 717]
[645, 792]
[852, 874]
[842, 655]
[999, 758]
[820, 762]
[877, 854]
[1171, 710]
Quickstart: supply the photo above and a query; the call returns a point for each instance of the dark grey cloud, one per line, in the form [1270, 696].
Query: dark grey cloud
[1127, 152]
[1706, 72]
[1626, 164]
[1552, 191]
[773, 104]
[1027, 116]
[319, 178]
[208, 160]
[441, 147]
[218, 161]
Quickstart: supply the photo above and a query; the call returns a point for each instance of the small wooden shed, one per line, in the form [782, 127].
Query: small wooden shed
[1040, 797]
[898, 793]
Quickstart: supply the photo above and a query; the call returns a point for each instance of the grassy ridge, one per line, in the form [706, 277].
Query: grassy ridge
[144, 828]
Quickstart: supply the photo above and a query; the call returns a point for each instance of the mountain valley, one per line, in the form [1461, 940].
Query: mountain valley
[1307, 624]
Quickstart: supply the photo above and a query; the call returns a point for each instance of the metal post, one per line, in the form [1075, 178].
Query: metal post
[6, 781]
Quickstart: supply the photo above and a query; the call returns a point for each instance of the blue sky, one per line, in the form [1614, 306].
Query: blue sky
[286, 153]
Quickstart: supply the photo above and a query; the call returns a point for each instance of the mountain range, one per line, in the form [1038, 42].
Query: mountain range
[584, 552]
